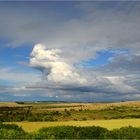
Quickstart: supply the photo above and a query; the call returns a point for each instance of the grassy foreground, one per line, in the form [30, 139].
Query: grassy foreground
[109, 124]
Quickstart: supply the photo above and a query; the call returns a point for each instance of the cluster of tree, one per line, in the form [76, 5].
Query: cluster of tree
[69, 132]
[14, 113]
[26, 115]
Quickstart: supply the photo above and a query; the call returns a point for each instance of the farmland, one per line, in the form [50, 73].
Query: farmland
[109, 124]
[50, 111]
[39, 118]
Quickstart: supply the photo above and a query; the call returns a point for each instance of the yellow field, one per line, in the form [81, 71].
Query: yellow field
[77, 106]
[41, 107]
[109, 124]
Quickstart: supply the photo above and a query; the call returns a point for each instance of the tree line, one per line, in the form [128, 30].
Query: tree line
[12, 131]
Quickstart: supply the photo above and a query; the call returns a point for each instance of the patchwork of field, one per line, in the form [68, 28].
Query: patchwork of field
[32, 116]
[109, 124]
[60, 106]
[90, 106]
[60, 111]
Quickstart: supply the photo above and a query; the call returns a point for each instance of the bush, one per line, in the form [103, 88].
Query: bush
[10, 126]
[11, 134]
[84, 119]
[70, 132]
[66, 113]
[80, 109]
[55, 113]
[59, 132]
[48, 118]
[11, 131]
[124, 133]
[75, 119]
[35, 118]
[93, 132]
[72, 109]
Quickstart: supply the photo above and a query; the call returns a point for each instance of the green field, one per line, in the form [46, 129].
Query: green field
[109, 124]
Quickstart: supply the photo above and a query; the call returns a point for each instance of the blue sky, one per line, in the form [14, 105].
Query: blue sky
[102, 58]
[71, 51]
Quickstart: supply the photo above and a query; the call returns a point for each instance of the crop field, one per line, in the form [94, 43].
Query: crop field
[50, 111]
[90, 106]
[62, 106]
[32, 116]
[109, 124]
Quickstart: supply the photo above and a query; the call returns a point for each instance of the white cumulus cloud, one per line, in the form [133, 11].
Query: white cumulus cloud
[54, 68]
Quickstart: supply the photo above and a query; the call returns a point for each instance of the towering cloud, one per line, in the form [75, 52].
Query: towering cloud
[60, 75]
[54, 68]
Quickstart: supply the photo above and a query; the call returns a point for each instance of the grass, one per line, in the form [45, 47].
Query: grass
[109, 124]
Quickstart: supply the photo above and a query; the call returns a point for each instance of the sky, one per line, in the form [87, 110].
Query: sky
[70, 51]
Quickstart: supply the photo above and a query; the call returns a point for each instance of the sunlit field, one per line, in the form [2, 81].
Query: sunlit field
[109, 124]
[32, 116]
